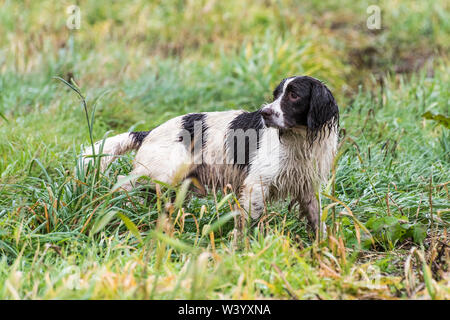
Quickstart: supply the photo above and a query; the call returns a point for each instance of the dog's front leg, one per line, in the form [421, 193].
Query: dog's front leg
[309, 207]
[252, 204]
[252, 199]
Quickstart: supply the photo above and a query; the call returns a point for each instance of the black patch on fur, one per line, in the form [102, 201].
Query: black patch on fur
[245, 121]
[188, 123]
[138, 137]
[279, 89]
[323, 110]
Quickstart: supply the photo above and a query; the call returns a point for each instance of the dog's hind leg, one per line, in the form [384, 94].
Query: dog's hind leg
[131, 181]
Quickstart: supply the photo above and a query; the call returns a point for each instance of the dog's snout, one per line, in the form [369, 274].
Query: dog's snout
[266, 112]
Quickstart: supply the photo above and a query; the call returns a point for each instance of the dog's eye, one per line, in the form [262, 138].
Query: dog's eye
[293, 97]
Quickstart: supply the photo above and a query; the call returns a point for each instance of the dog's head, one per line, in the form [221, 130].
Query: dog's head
[301, 102]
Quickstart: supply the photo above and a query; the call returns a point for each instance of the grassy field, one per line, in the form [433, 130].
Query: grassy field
[66, 234]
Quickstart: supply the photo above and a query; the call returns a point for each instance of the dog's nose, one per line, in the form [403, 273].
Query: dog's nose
[266, 112]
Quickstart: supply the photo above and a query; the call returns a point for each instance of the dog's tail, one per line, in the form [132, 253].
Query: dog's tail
[114, 146]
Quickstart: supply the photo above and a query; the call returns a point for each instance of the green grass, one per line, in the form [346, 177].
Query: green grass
[66, 233]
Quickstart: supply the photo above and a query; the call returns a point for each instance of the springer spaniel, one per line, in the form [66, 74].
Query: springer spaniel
[286, 148]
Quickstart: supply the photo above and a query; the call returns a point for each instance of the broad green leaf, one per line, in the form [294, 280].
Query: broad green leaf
[419, 233]
[439, 118]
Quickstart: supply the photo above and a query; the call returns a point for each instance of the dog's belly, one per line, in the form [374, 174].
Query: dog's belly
[219, 177]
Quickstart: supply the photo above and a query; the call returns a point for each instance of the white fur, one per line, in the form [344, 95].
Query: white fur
[112, 147]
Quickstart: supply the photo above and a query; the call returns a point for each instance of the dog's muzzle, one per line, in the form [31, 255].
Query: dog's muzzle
[271, 118]
[266, 113]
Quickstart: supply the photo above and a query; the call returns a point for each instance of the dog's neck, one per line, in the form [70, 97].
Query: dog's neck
[301, 137]
[293, 135]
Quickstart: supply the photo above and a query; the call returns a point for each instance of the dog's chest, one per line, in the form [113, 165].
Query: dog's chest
[293, 174]
[302, 166]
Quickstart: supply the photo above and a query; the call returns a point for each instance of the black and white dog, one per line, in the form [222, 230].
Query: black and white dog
[285, 149]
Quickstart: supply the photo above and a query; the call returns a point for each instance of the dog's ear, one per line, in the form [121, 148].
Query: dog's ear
[322, 107]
